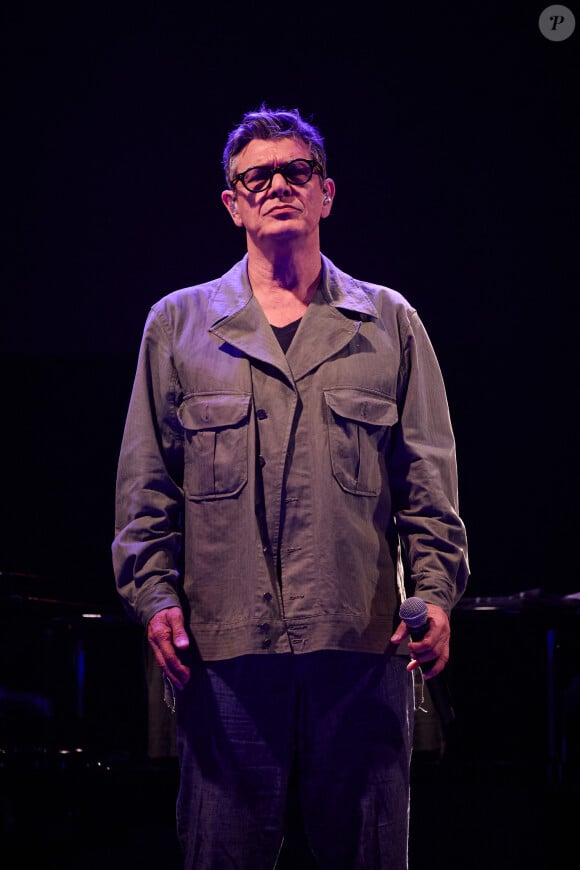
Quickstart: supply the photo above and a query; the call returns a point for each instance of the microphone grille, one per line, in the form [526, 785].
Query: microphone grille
[413, 612]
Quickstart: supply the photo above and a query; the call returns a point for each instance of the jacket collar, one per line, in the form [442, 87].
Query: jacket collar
[343, 291]
[237, 318]
[233, 292]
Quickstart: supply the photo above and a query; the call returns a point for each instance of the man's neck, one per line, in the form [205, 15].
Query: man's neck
[285, 285]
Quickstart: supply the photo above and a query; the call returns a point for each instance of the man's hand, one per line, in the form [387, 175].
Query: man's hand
[433, 647]
[166, 634]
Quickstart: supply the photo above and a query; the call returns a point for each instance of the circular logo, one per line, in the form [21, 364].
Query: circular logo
[557, 23]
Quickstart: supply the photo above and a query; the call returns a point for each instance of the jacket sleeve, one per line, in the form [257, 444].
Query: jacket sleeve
[149, 495]
[424, 475]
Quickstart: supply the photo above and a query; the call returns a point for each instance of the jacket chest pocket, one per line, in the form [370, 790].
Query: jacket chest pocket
[357, 420]
[216, 429]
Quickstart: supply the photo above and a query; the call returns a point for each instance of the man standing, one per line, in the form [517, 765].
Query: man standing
[287, 475]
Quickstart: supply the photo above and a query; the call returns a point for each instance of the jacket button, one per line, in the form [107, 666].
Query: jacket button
[264, 628]
[262, 461]
[266, 643]
[261, 414]
[267, 596]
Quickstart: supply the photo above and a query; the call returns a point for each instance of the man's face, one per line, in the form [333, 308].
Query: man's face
[284, 211]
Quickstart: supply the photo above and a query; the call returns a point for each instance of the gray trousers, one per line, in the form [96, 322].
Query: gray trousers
[341, 723]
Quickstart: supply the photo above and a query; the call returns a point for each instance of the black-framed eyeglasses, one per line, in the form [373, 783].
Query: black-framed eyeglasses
[259, 178]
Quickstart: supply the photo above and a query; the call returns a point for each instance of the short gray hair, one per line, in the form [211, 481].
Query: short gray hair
[266, 123]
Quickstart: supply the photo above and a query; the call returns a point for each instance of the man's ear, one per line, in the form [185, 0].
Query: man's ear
[229, 200]
[328, 193]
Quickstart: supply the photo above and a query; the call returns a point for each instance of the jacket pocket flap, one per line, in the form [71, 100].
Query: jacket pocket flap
[364, 406]
[214, 410]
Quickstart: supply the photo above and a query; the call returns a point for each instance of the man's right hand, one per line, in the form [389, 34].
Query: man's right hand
[166, 634]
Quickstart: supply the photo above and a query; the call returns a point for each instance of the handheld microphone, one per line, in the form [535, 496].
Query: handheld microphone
[413, 612]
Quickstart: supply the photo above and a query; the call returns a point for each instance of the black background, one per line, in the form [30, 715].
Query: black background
[452, 136]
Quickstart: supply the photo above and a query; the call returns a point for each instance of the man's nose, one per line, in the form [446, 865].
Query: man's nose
[279, 183]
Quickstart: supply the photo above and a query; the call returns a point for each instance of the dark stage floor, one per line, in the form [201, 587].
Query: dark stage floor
[88, 815]
[504, 795]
